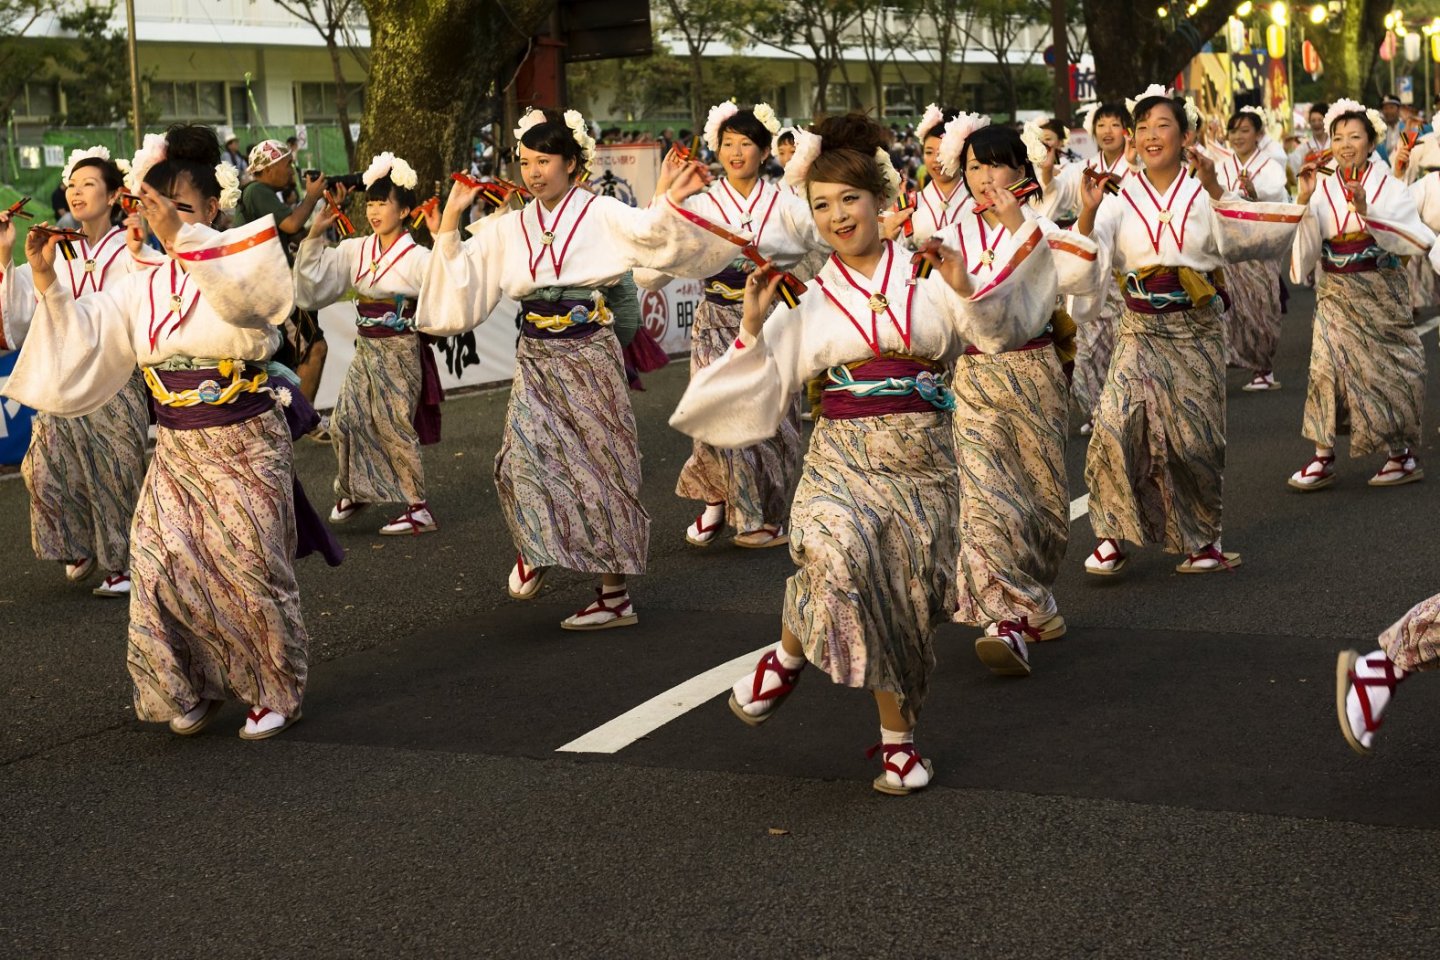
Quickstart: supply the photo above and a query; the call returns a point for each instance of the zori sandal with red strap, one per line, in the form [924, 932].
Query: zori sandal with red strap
[756, 689]
[262, 723]
[1364, 687]
[415, 520]
[1318, 474]
[900, 777]
[525, 582]
[1208, 560]
[1400, 469]
[1107, 559]
[762, 538]
[1003, 649]
[612, 609]
[707, 526]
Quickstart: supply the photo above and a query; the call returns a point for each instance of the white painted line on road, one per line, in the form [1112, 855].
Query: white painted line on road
[658, 711]
[679, 700]
[1427, 326]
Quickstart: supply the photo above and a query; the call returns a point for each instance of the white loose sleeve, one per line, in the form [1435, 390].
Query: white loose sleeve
[1010, 308]
[1305, 250]
[462, 281]
[323, 272]
[1062, 194]
[1246, 230]
[660, 238]
[242, 273]
[17, 305]
[1393, 219]
[1085, 308]
[1076, 259]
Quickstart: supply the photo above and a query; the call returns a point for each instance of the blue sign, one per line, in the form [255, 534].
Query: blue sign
[14, 418]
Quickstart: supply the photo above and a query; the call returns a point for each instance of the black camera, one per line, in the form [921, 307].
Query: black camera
[312, 175]
[350, 181]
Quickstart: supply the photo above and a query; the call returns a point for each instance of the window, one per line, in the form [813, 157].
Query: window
[316, 101]
[39, 98]
[840, 97]
[202, 100]
[904, 100]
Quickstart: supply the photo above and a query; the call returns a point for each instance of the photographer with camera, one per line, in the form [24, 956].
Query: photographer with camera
[273, 167]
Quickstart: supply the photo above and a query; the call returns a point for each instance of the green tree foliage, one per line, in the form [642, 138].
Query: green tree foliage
[97, 67]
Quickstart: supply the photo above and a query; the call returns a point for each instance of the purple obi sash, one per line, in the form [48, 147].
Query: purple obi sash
[312, 533]
[730, 277]
[1162, 292]
[427, 412]
[397, 314]
[1355, 255]
[579, 310]
[840, 404]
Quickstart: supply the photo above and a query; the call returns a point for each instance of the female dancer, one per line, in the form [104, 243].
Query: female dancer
[939, 202]
[388, 404]
[1156, 460]
[568, 470]
[84, 473]
[1011, 412]
[1110, 125]
[1253, 320]
[749, 488]
[874, 520]
[1365, 357]
[215, 611]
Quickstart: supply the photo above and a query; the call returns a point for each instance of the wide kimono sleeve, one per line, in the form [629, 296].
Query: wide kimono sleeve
[1062, 193]
[242, 273]
[1305, 250]
[1076, 259]
[79, 353]
[1393, 219]
[1010, 308]
[323, 273]
[1086, 307]
[665, 238]
[462, 280]
[740, 399]
[17, 305]
[1246, 230]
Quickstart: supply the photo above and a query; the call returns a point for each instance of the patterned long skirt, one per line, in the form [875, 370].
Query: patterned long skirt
[756, 483]
[215, 609]
[373, 424]
[568, 470]
[873, 537]
[1010, 424]
[1252, 324]
[1365, 358]
[1094, 344]
[1413, 641]
[1424, 284]
[84, 476]
[1156, 462]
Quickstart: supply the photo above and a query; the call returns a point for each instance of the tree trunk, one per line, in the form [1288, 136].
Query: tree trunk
[697, 84]
[822, 86]
[432, 65]
[1134, 48]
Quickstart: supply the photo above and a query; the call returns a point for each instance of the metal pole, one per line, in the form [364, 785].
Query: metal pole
[134, 70]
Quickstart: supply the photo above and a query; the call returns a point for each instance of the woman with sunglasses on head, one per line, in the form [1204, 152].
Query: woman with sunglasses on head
[1366, 362]
[568, 470]
[1155, 465]
[873, 526]
[84, 473]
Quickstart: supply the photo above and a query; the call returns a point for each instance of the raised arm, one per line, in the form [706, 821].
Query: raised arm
[462, 279]
[323, 273]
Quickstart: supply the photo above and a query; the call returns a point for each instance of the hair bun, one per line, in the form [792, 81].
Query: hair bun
[194, 142]
[853, 131]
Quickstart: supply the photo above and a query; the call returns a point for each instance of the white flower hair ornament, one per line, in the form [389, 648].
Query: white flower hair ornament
[1032, 135]
[154, 149]
[387, 164]
[229, 179]
[717, 116]
[575, 120]
[807, 148]
[1193, 114]
[1086, 116]
[893, 183]
[957, 131]
[1344, 105]
[1154, 90]
[98, 153]
[766, 115]
[933, 117]
[532, 119]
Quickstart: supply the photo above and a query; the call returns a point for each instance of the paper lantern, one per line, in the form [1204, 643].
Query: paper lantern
[1310, 59]
[1412, 47]
[1387, 46]
[1275, 40]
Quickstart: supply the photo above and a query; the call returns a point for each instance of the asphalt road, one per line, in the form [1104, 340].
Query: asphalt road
[1170, 781]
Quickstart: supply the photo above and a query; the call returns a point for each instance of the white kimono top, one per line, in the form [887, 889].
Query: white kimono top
[1267, 176]
[1391, 217]
[92, 268]
[324, 274]
[594, 242]
[227, 302]
[934, 211]
[1076, 257]
[1061, 199]
[1182, 227]
[740, 399]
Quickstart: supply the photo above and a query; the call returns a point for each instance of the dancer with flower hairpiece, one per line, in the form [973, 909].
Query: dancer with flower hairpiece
[215, 609]
[1155, 466]
[874, 521]
[1012, 408]
[389, 402]
[1366, 360]
[84, 473]
[938, 204]
[748, 489]
[568, 470]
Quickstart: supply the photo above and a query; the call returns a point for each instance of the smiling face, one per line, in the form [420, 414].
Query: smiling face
[387, 217]
[931, 156]
[1243, 136]
[547, 175]
[784, 151]
[1159, 138]
[740, 156]
[1350, 141]
[89, 199]
[1110, 135]
[847, 218]
[1317, 123]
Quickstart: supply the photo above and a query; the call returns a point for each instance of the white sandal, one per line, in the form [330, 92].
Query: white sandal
[1318, 474]
[1106, 564]
[1004, 650]
[416, 520]
[899, 762]
[602, 615]
[707, 526]
[1208, 560]
[262, 723]
[1399, 469]
[1360, 716]
[525, 582]
[79, 570]
[762, 538]
[115, 585]
[345, 509]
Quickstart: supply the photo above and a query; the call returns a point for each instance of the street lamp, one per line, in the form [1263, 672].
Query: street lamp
[1280, 13]
[1245, 9]
[1318, 14]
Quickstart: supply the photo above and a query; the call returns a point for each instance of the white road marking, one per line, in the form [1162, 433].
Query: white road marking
[1427, 326]
[658, 711]
[679, 700]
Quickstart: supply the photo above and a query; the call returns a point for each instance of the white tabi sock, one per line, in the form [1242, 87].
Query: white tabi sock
[918, 775]
[744, 688]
